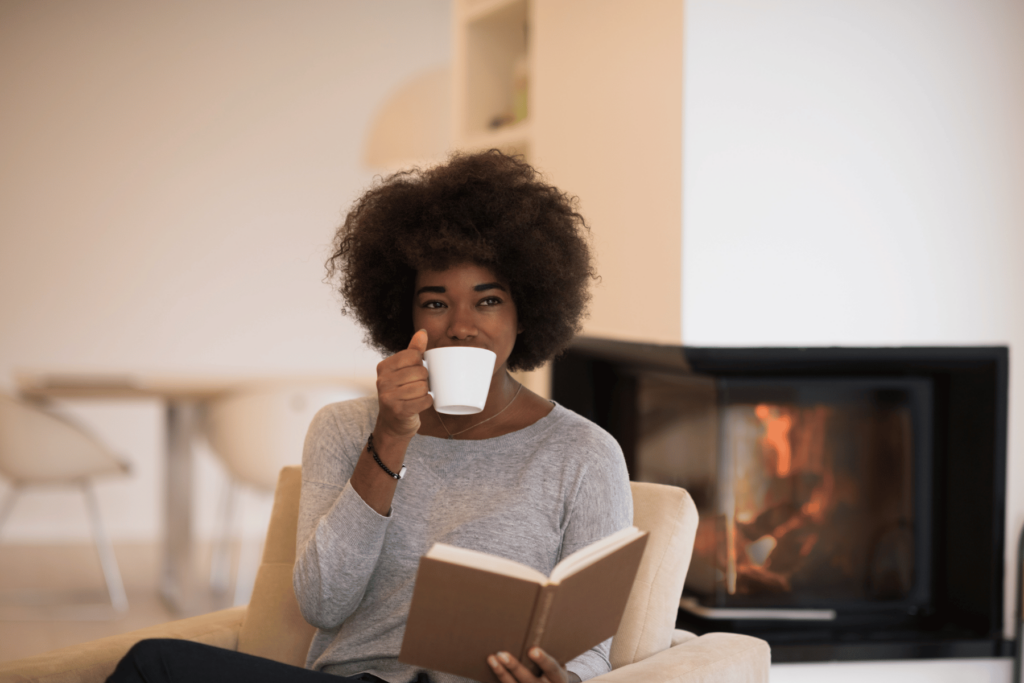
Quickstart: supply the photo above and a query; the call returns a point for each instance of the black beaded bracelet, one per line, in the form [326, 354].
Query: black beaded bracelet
[369, 446]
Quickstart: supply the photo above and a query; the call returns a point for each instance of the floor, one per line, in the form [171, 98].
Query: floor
[34, 577]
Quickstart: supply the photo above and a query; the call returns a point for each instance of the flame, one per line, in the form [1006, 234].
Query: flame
[808, 544]
[808, 439]
[821, 497]
[785, 493]
[777, 436]
[794, 522]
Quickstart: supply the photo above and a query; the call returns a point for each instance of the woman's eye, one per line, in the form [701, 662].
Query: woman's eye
[490, 301]
[433, 304]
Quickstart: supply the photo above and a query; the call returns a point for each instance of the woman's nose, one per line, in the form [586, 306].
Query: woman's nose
[461, 327]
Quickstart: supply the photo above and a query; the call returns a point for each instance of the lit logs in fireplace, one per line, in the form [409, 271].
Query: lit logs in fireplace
[809, 500]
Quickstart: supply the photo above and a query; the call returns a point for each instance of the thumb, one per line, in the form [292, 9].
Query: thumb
[419, 341]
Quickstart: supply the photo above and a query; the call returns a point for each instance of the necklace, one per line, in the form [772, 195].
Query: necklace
[452, 436]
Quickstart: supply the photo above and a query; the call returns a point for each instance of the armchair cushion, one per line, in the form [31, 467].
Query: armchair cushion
[94, 661]
[670, 517]
[711, 658]
[273, 626]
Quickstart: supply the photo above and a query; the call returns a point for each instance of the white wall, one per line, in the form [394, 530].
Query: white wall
[854, 175]
[170, 177]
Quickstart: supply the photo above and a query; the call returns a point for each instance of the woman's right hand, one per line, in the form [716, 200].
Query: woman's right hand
[402, 390]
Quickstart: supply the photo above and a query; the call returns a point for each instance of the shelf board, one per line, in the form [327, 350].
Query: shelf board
[481, 9]
[516, 135]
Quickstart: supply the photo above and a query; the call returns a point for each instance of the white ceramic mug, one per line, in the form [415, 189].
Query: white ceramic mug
[459, 378]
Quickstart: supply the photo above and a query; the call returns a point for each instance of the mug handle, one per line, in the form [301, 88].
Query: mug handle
[429, 392]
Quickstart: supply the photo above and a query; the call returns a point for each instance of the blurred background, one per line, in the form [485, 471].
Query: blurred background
[844, 173]
[171, 179]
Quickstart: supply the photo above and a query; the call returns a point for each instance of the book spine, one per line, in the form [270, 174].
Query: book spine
[537, 626]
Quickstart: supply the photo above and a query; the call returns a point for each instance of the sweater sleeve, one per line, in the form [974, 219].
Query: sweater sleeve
[339, 537]
[603, 504]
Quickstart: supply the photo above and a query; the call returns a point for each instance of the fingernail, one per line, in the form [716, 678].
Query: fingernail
[505, 657]
[535, 653]
[492, 661]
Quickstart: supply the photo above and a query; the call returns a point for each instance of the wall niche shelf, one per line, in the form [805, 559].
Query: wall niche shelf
[513, 138]
[491, 75]
[590, 92]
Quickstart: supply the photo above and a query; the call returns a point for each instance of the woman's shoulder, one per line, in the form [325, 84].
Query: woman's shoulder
[595, 454]
[562, 440]
[340, 426]
[347, 414]
[582, 433]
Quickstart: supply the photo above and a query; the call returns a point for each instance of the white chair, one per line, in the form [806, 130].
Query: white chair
[256, 432]
[38, 448]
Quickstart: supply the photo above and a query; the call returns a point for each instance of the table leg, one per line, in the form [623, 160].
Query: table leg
[176, 575]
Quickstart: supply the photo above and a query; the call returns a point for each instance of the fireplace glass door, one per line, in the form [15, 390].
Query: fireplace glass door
[812, 493]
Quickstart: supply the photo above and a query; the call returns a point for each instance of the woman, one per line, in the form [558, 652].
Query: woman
[476, 252]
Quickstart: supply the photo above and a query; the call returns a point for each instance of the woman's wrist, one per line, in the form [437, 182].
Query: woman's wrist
[387, 450]
[387, 440]
[376, 456]
[394, 430]
[372, 481]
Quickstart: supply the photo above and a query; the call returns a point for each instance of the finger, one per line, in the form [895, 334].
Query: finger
[406, 358]
[413, 374]
[549, 666]
[500, 671]
[402, 391]
[519, 673]
[419, 341]
[418, 405]
[403, 410]
[397, 397]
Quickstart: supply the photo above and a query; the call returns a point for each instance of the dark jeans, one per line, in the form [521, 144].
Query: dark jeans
[162, 660]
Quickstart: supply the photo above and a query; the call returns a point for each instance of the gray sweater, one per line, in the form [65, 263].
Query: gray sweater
[534, 496]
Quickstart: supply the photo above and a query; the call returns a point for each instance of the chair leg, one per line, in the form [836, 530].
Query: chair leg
[220, 556]
[249, 552]
[8, 505]
[111, 572]
[248, 565]
[249, 556]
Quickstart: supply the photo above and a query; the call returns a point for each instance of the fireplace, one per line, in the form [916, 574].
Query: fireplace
[851, 500]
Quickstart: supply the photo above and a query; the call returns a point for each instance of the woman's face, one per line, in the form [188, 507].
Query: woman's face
[466, 305]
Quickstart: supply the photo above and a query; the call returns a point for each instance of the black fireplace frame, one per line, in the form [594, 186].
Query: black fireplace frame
[598, 379]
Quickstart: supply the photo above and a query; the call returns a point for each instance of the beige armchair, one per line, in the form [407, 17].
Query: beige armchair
[647, 648]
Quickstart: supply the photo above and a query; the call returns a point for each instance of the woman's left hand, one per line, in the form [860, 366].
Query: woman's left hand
[508, 669]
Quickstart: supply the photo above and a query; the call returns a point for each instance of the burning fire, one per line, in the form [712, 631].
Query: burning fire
[810, 500]
[776, 436]
[783, 497]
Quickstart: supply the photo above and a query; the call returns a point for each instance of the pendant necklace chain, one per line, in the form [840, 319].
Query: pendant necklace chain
[452, 436]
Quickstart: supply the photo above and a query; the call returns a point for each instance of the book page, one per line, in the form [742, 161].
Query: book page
[490, 563]
[584, 557]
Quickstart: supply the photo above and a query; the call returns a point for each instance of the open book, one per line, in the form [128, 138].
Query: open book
[467, 605]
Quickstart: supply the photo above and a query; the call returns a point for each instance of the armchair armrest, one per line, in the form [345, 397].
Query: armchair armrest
[711, 658]
[679, 636]
[92, 662]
